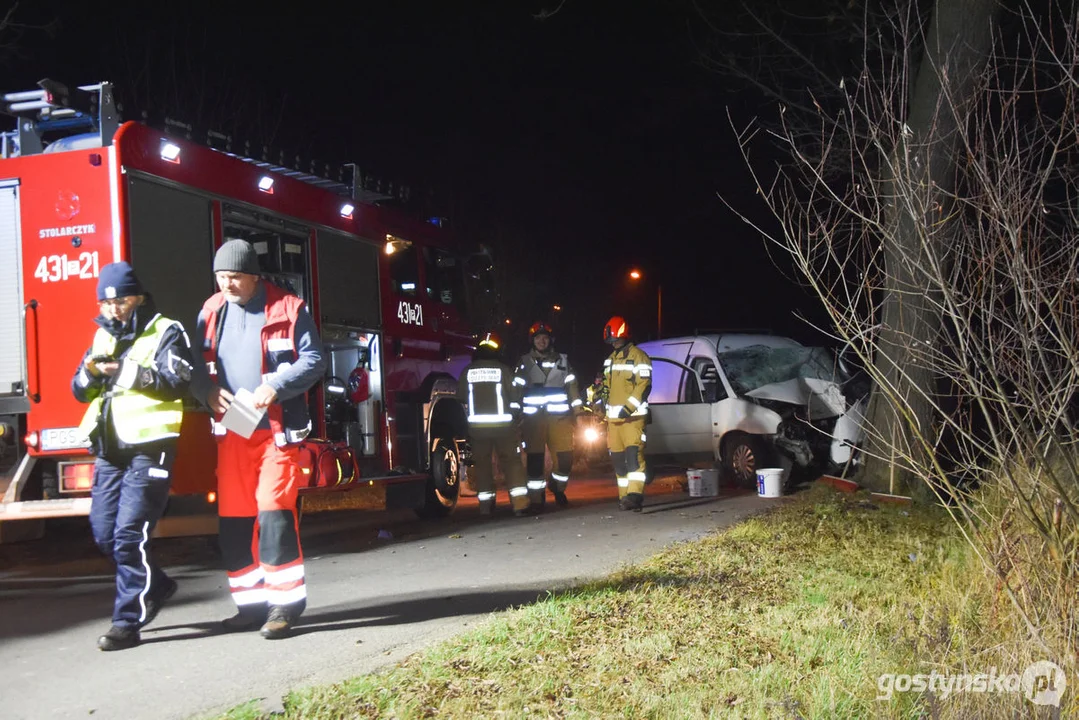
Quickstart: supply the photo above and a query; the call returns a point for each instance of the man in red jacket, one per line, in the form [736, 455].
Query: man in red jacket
[260, 341]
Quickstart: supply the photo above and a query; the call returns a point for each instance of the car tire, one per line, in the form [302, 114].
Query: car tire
[742, 455]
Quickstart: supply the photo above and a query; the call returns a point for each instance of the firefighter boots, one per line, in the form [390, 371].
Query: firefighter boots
[278, 624]
[632, 501]
[560, 498]
[119, 638]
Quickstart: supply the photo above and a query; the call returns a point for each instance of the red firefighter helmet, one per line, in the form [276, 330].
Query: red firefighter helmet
[616, 328]
[540, 327]
[491, 340]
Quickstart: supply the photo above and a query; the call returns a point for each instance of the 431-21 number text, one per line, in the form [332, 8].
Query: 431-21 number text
[57, 268]
[409, 313]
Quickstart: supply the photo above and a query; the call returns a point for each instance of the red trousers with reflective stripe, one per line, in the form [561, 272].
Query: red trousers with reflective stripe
[257, 486]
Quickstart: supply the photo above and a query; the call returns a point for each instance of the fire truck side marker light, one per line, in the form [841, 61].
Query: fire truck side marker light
[170, 152]
[31, 439]
[346, 211]
[266, 184]
[211, 497]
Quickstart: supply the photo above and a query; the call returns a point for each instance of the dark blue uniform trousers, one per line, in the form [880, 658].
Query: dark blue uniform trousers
[128, 497]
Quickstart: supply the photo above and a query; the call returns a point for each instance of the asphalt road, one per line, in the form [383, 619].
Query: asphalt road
[372, 601]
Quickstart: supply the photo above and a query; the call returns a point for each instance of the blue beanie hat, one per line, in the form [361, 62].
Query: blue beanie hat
[117, 280]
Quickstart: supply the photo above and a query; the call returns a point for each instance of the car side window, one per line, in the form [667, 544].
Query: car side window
[666, 381]
[712, 389]
[691, 389]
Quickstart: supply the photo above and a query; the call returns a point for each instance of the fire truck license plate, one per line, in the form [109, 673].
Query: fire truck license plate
[61, 439]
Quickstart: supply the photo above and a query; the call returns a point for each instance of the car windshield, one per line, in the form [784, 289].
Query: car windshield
[758, 365]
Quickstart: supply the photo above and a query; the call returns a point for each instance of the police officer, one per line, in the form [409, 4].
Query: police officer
[492, 402]
[134, 376]
[627, 374]
[550, 402]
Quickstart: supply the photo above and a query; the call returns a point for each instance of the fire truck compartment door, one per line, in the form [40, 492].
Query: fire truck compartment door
[348, 280]
[172, 246]
[12, 334]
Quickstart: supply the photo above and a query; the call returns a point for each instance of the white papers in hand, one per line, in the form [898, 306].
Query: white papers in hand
[242, 418]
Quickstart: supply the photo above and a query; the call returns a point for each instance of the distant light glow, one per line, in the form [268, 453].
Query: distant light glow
[635, 274]
[557, 308]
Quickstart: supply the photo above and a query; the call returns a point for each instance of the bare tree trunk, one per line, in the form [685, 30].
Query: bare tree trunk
[957, 45]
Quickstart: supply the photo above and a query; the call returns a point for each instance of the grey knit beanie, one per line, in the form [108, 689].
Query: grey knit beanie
[237, 256]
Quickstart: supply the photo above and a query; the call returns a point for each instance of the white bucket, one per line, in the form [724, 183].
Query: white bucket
[770, 482]
[703, 483]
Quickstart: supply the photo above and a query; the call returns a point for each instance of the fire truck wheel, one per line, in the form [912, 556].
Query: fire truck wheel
[443, 486]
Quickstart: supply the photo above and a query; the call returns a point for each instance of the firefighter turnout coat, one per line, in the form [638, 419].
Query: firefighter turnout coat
[627, 375]
[548, 385]
[492, 404]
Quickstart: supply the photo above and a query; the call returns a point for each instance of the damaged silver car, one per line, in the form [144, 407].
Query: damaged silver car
[744, 401]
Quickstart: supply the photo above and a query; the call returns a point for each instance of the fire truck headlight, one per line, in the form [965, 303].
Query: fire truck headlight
[346, 211]
[170, 152]
[266, 184]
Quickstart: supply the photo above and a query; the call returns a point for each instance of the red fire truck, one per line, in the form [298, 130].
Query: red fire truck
[392, 295]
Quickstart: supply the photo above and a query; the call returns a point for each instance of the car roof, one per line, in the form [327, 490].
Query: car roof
[723, 342]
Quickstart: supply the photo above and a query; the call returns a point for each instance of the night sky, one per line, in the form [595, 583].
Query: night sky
[580, 145]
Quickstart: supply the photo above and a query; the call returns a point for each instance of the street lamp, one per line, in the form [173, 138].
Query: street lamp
[635, 275]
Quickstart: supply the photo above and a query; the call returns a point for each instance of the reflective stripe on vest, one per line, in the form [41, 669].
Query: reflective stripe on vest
[136, 418]
[546, 382]
[484, 378]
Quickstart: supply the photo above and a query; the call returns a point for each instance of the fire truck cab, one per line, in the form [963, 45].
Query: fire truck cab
[397, 300]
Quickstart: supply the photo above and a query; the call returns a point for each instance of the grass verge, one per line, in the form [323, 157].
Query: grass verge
[796, 613]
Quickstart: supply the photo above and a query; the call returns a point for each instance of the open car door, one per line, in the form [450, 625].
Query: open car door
[680, 431]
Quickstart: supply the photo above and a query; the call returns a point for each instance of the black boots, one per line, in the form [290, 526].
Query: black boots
[632, 501]
[157, 600]
[119, 638]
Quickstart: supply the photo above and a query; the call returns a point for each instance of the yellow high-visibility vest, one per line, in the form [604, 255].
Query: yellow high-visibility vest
[137, 418]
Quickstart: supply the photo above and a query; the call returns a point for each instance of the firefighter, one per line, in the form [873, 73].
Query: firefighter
[260, 340]
[627, 374]
[550, 403]
[134, 376]
[493, 405]
[594, 393]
